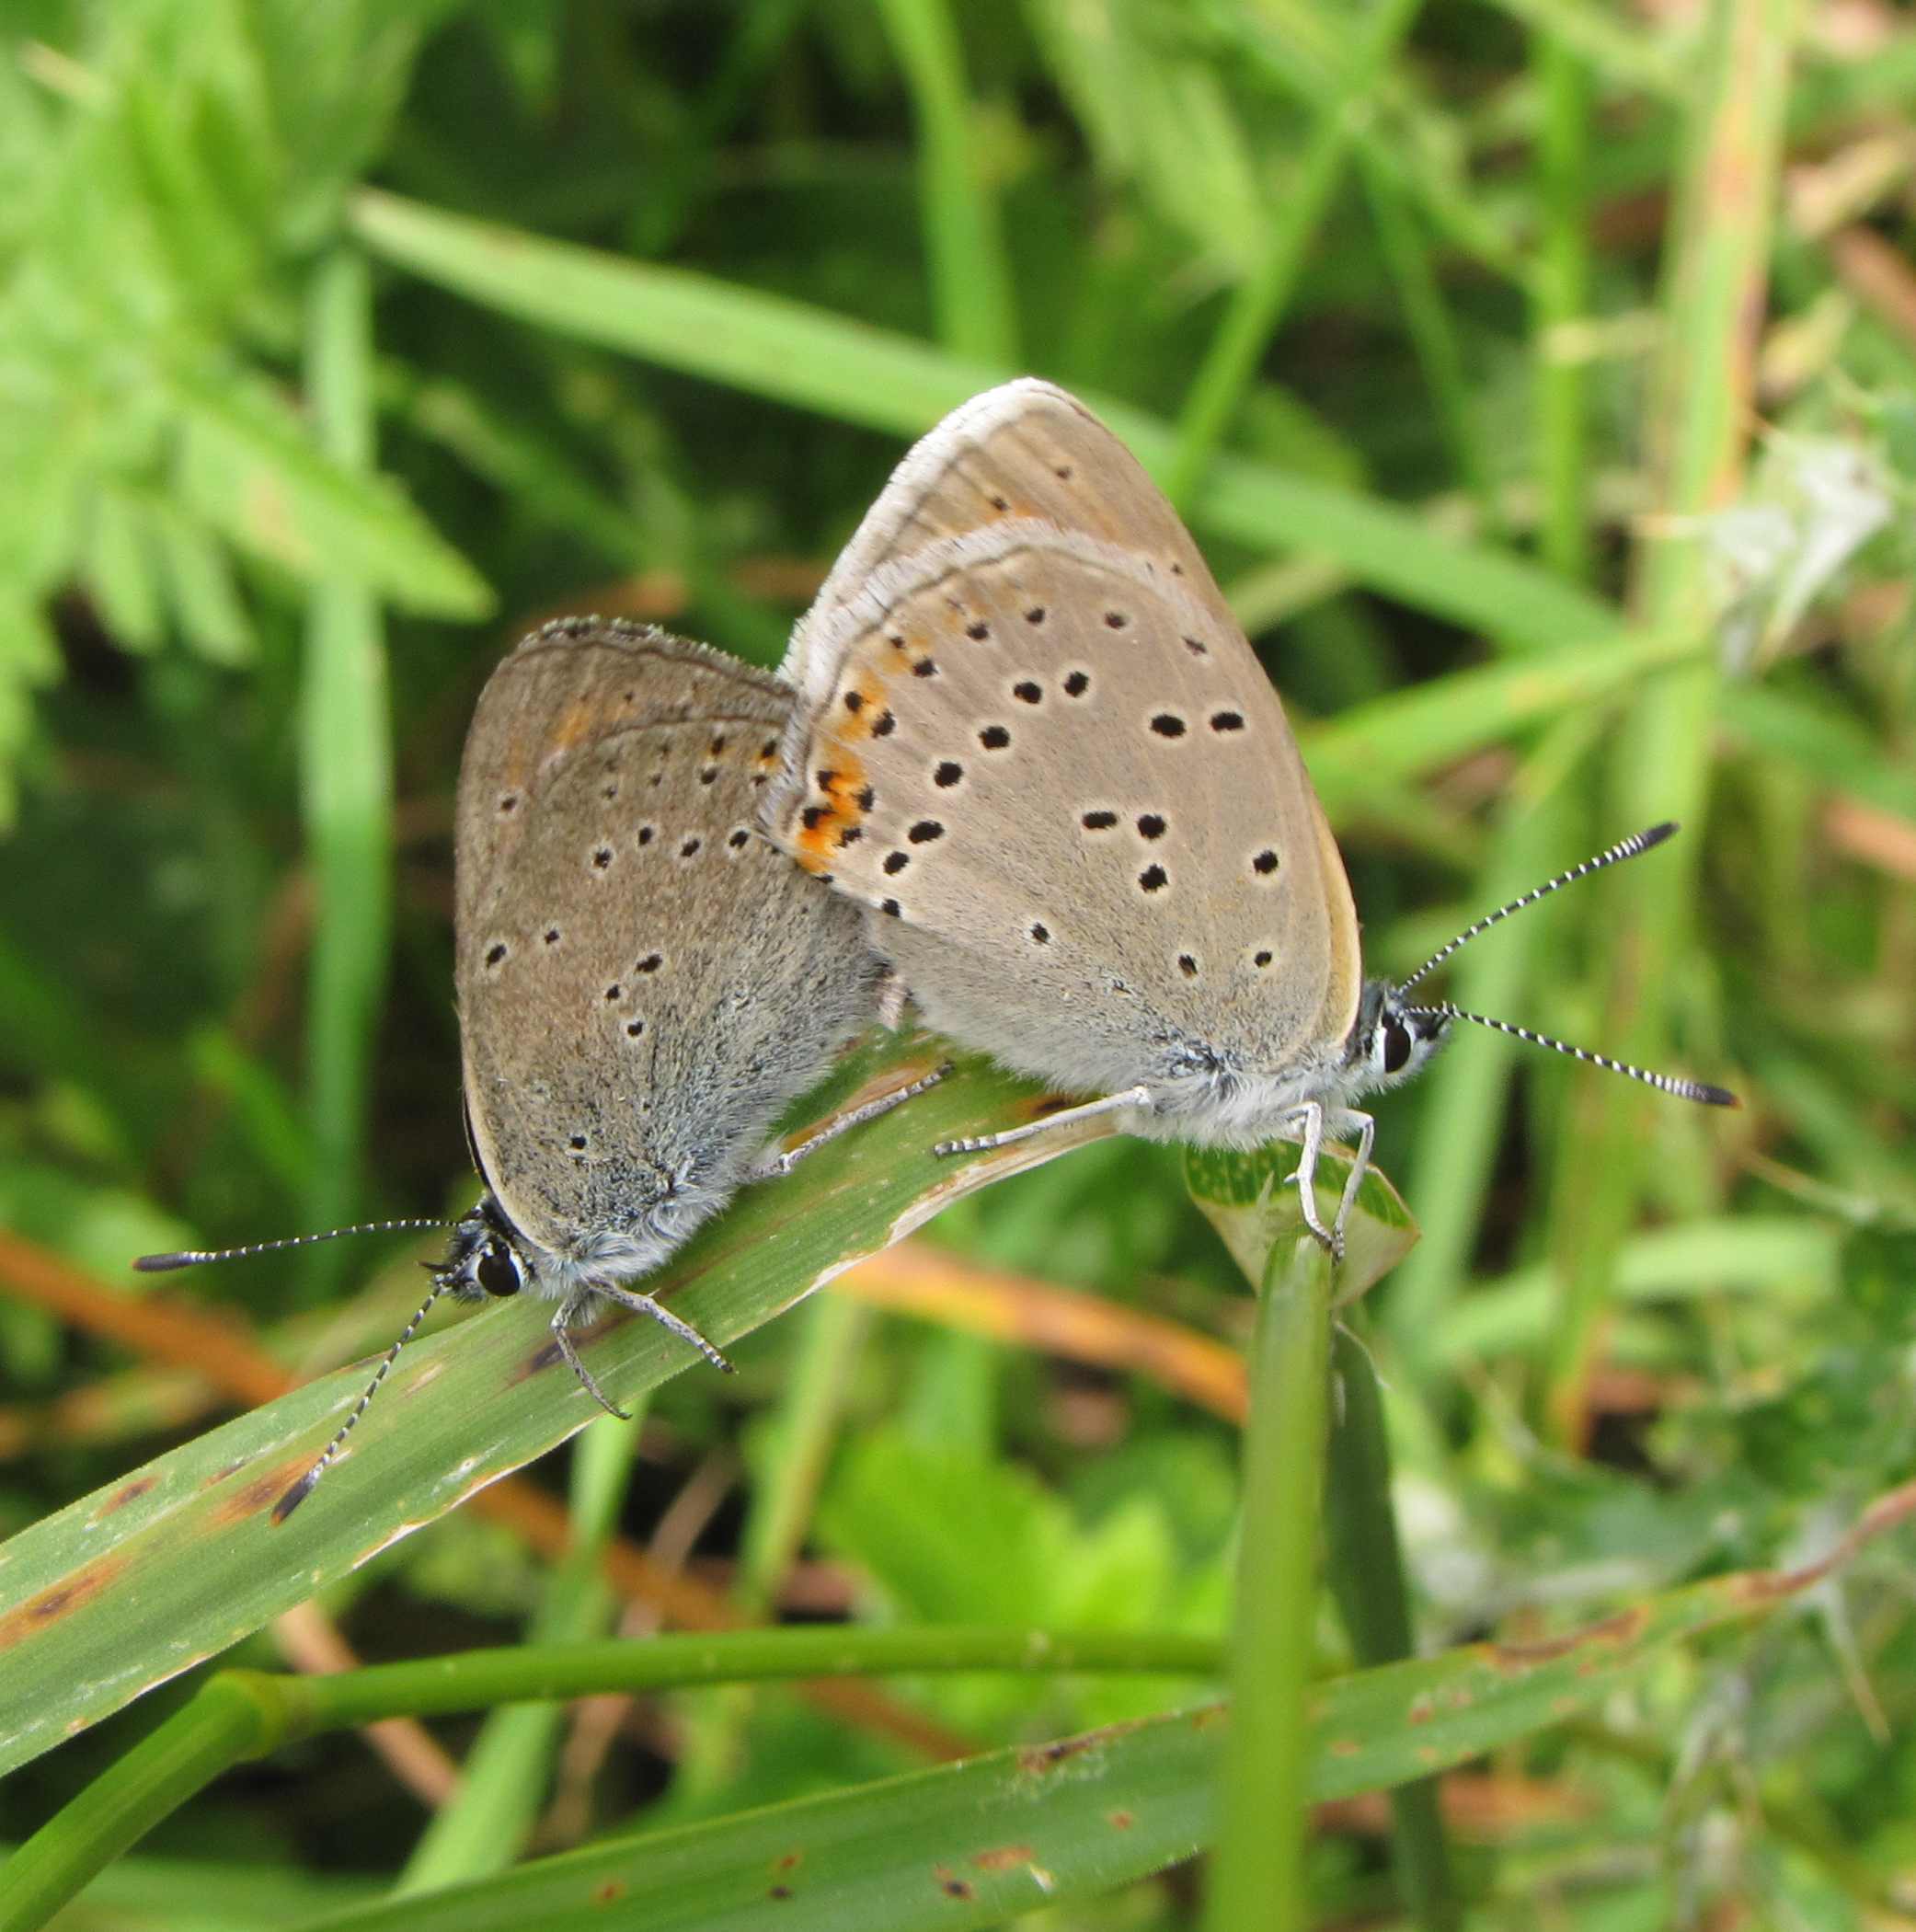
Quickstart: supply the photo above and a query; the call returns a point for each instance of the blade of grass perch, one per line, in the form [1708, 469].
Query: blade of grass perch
[140, 1581]
[1256, 1881]
[1252, 1200]
[1699, 418]
[1365, 1563]
[164, 1330]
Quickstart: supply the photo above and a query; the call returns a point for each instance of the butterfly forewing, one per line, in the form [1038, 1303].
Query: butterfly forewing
[1025, 450]
[1048, 759]
[643, 981]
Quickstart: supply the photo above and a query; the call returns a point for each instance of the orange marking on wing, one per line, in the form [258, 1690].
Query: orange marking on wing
[530, 762]
[835, 804]
[572, 727]
[858, 723]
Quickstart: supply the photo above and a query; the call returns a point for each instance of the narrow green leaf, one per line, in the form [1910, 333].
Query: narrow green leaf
[345, 781]
[1257, 1881]
[1700, 408]
[970, 279]
[136, 1583]
[1836, 751]
[1412, 733]
[1364, 1560]
[1252, 1200]
[787, 352]
[972, 1845]
[1217, 391]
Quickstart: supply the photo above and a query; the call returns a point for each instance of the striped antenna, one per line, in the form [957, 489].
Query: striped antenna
[192, 1256]
[1663, 1083]
[1623, 848]
[304, 1487]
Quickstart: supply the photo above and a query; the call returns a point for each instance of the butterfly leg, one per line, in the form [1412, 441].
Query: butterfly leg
[1360, 1165]
[1112, 1103]
[572, 1310]
[673, 1324]
[783, 1161]
[1312, 1115]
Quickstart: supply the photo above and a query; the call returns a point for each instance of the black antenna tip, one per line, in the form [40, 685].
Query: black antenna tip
[158, 1264]
[1710, 1095]
[1656, 834]
[297, 1495]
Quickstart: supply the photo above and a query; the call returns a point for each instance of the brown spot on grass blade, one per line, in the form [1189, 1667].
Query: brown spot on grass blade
[41, 1612]
[1043, 1759]
[129, 1492]
[1003, 1858]
[1611, 1633]
[262, 1493]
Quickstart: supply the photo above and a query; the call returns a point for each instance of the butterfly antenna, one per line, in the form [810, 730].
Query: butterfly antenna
[303, 1488]
[1624, 849]
[192, 1257]
[1698, 1090]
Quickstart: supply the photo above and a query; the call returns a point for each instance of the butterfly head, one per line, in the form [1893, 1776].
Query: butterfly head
[1391, 1041]
[484, 1256]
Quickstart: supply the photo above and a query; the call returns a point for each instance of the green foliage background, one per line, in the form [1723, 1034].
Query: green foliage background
[1436, 319]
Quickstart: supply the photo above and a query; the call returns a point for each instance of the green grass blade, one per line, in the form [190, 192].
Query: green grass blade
[803, 1428]
[1257, 1880]
[1561, 301]
[1465, 1093]
[787, 352]
[1412, 733]
[999, 1824]
[345, 773]
[1715, 279]
[485, 1825]
[1433, 335]
[133, 1585]
[1365, 1564]
[970, 278]
[1218, 390]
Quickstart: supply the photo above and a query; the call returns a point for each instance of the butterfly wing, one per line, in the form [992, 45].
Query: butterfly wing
[643, 983]
[1039, 746]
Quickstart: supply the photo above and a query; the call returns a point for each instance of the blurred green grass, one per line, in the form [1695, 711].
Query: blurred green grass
[339, 345]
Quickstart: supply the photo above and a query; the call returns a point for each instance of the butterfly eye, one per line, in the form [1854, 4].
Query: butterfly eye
[496, 1270]
[1396, 1046]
